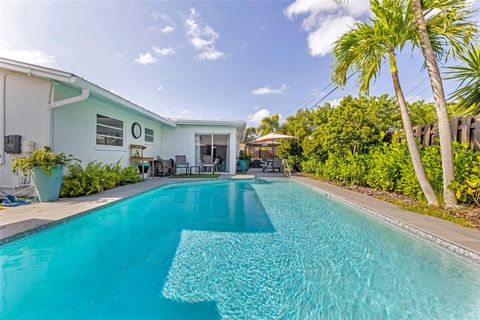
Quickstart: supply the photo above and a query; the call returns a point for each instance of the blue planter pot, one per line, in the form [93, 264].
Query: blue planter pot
[243, 165]
[48, 186]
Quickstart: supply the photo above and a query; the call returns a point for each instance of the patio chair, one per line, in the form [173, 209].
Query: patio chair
[209, 163]
[277, 164]
[266, 164]
[163, 167]
[274, 164]
[181, 163]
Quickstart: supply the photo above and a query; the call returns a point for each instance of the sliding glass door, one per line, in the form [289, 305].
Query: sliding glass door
[215, 145]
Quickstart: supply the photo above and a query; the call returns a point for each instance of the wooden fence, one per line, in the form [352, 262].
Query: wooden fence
[464, 130]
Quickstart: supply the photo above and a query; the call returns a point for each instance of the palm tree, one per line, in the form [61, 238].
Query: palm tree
[250, 135]
[468, 92]
[365, 47]
[269, 124]
[455, 30]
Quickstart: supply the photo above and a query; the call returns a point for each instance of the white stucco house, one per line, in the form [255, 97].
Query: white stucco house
[49, 107]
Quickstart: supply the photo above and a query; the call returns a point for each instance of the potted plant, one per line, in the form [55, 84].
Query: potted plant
[46, 168]
[243, 159]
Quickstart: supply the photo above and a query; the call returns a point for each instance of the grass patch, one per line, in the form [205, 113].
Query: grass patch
[206, 175]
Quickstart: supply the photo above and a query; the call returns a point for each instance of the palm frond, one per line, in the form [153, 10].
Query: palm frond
[467, 93]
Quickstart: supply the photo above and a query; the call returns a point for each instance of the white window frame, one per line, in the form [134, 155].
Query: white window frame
[108, 146]
[145, 135]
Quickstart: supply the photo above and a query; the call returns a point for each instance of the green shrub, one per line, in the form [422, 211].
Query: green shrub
[384, 166]
[432, 163]
[129, 175]
[312, 165]
[467, 174]
[43, 158]
[96, 177]
[353, 170]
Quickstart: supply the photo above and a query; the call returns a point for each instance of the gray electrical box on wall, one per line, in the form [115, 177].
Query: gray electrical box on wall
[13, 144]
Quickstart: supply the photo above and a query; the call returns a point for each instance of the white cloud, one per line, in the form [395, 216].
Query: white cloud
[164, 51]
[167, 29]
[256, 118]
[119, 55]
[165, 19]
[26, 55]
[148, 58]
[301, 7]
[335, 102]
[320, 42]
[210, 55]
[267, 90]
[160, 88]
[202, 37]
[145, 58]
[326, 21]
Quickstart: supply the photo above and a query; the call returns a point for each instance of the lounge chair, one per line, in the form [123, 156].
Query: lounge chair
[181, 163]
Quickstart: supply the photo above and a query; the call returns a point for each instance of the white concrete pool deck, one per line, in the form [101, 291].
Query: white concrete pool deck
[20, 219]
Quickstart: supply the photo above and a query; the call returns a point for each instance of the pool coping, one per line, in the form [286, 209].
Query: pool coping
[422, 226]
[95, 201]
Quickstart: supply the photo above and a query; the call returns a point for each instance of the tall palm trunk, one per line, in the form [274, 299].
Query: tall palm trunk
[440, 103]
[411, 143]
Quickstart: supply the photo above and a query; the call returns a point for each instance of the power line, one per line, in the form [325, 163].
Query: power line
[308, 100]
[418, 94]
[329, 93]
[416, 86]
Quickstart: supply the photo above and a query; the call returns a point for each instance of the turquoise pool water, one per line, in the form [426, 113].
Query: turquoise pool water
[263, 249]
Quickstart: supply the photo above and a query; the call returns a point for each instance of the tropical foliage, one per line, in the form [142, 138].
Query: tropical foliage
[43, 158]
[467, 94]
[250, 134]
[362, 51]
[358, 142]
[96, 177]
[269, 124]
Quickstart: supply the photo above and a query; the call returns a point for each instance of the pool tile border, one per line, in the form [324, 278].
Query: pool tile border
[442, 243]
[55, 223]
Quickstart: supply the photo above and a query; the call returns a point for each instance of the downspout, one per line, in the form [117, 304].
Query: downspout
[3, 101]
[60, 103]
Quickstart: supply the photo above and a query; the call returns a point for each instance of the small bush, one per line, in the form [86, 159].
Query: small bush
[96, 177]
[467, 175]
[44, 158]
[385, 164]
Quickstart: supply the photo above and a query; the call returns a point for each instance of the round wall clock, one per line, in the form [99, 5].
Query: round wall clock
[136, 130]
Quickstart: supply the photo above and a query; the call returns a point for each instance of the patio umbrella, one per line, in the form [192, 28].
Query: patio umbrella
[272, 138]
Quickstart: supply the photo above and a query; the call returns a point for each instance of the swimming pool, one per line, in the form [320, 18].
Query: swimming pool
[233, 249]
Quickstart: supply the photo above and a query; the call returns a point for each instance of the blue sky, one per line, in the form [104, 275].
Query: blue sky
[230, 60]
